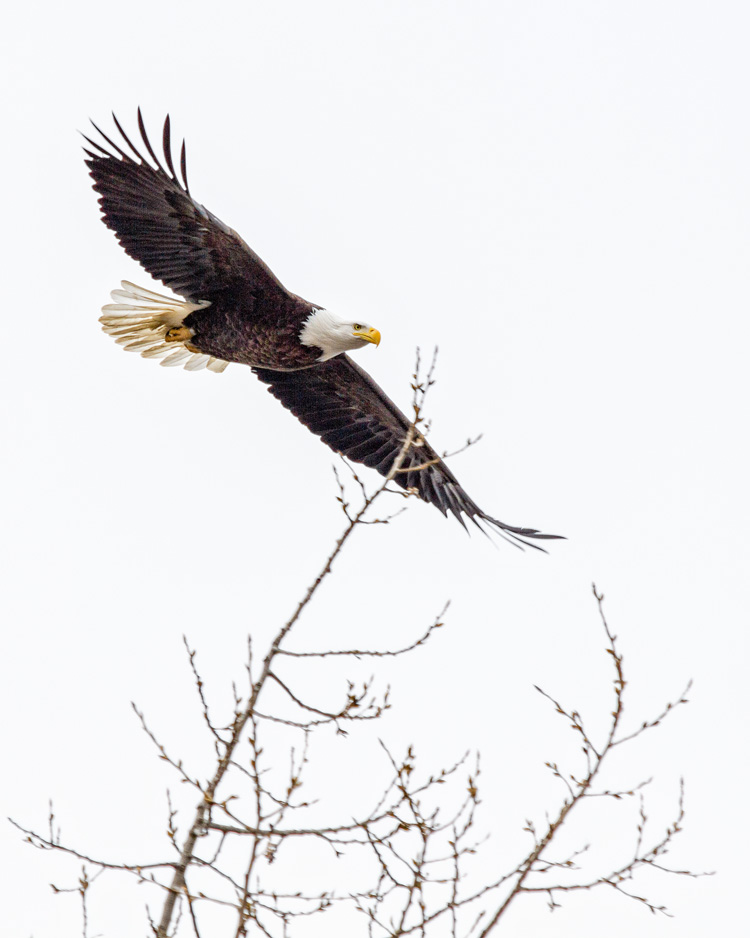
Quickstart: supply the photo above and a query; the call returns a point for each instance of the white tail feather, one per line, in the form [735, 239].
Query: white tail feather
[176, 358]
[139, 320]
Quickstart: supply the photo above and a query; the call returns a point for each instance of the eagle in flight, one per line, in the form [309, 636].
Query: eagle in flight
[234, 309]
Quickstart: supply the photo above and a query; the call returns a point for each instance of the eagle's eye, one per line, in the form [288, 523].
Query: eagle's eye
[357, 326]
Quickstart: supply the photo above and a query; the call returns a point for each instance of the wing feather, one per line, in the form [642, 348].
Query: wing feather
[159, 224]
[341, 404]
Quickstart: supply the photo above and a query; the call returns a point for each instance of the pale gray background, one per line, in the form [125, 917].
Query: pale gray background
[555, 193]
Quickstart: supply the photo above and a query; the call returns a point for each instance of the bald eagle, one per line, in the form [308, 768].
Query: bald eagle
[234, 309]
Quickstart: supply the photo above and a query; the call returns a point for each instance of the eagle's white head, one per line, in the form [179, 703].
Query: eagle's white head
[325, 331]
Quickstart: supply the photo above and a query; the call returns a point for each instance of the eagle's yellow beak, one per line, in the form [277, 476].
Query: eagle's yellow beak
[369, 335]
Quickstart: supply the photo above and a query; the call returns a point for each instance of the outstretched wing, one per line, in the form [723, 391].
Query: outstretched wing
[342, 405]
[160, 225]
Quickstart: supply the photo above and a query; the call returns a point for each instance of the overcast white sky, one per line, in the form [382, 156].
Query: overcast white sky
[557, 195]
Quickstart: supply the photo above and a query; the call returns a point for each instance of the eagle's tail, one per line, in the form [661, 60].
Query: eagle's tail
[140, 321]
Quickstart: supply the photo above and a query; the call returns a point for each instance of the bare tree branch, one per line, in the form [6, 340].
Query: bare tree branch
[417, 841]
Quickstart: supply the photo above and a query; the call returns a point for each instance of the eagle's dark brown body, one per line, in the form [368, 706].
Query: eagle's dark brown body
[268, 339]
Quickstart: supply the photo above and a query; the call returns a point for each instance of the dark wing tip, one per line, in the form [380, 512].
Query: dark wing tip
[517, 536]
[183, 167]
[115, 151]
[125, 137]
[123, 155]
[459, 502]
[166, 145]
[147, 142]
[102, 152]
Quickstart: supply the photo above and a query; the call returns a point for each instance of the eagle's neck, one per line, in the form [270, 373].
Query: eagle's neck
[322, 330]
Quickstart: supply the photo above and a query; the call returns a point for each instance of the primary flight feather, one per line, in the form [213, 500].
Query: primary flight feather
[233, 309]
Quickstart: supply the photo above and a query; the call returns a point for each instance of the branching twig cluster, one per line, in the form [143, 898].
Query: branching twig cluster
[413, 850]
[533, 873]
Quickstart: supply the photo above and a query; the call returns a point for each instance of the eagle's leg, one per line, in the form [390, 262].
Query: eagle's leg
[178, 334]
[182, 334]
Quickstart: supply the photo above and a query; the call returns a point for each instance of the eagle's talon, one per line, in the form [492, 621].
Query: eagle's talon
[179, 334]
